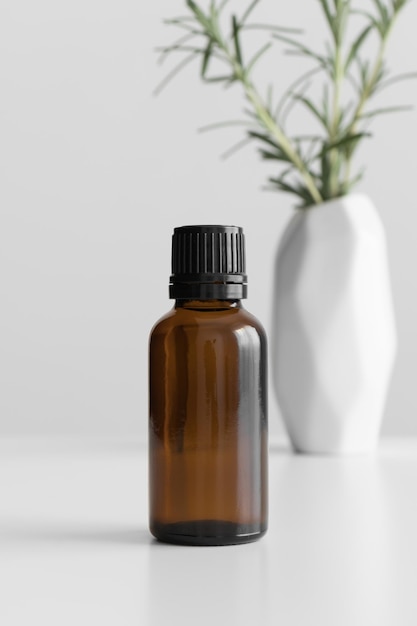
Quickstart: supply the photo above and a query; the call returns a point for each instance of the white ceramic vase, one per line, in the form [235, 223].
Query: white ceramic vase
[335, 341]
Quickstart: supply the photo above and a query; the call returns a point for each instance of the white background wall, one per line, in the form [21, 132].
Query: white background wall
[95, 173]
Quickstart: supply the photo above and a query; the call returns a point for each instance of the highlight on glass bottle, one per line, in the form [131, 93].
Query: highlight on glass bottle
[208, 398]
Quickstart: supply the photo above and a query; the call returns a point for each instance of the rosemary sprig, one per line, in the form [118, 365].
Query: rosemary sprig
[315, 167]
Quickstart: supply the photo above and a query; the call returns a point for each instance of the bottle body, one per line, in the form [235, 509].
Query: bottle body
[208, 425]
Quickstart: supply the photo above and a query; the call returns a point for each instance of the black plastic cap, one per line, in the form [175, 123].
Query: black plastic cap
[208, 263]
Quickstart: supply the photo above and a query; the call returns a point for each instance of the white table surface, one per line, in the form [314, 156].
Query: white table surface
[75, 549]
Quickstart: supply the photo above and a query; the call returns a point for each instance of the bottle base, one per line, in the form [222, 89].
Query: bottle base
[207, 533]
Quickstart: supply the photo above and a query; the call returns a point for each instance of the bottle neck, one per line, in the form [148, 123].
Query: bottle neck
[208, 305]
[208, 287]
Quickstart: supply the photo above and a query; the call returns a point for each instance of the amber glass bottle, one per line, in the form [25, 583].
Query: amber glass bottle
[208, 404]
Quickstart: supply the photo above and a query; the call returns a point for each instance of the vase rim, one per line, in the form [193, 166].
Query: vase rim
[341, 200]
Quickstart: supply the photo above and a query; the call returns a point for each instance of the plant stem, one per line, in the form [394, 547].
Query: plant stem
[323, 173]
[334, 127]
[366, 93]
[369, 86]
[270, 124]
[282, 140]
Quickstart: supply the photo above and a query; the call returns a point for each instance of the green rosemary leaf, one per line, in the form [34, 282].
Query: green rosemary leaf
[383, 12]
[284, 173]
[221, 6]
[343, 115]
[248, 12]
[344, 141]
[378, 79]
[290, 91]
[277, 156]
[310, 157]
[352, 80]
[356, 46]
[349, 184]
[272, 28]
[219, 79]
[173, 73]
[396, 79]
[256, 57]
[194, 49]
[297, 189]
[177, 45]
[307, 137]
[179, 20]
[269, 97]
[372, 19]
[325, 174]
[327, 12]
[199, 14]
[265, 138]
[224, 124]
[363, 67]
[191, 28]
[399, 4]
[311, 106]
[302, 49]
[325, 105]
[235, 31]
[382, 24]
[238, 146]
[383, 111]
[206, 58]
[251, 114]
[293, 97]
[232, 79]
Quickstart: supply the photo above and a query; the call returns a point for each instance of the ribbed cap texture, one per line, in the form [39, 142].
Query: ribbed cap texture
[208, 255]
[208, 250]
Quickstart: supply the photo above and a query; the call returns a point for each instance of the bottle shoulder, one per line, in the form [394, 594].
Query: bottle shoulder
[228, 320]
[165, 322]
[251, 320]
